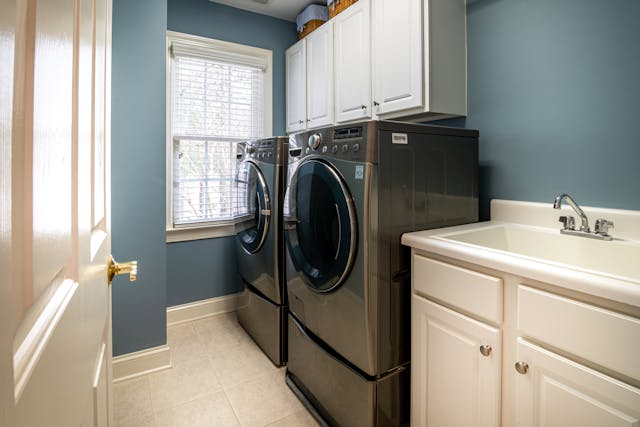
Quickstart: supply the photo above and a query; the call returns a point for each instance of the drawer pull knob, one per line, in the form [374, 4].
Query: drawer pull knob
[522, 367]
[485, 350]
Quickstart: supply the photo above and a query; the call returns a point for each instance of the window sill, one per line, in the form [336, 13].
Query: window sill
[185, 234]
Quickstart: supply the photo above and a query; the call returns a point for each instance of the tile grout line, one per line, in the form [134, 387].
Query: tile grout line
[235, 413]
[205, 336]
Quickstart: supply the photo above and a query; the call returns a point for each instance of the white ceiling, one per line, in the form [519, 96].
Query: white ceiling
[283, 9]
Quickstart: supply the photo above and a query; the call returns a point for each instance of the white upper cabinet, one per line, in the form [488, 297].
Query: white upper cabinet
[397, 57]
[352, 51]
[394, 59]
[296, 99]
[419, 59]
[320, 76]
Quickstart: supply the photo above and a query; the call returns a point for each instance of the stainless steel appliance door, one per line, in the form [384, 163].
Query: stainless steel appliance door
[321, 229]
[255, 204]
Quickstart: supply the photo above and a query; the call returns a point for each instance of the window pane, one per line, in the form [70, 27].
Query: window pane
[214, 105]
[204, 181]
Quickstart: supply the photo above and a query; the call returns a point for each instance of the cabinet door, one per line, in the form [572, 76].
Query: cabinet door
[296, 64]
[453, 383]
[352, 47]
[556, 391]
[320, 76]
[397, 55]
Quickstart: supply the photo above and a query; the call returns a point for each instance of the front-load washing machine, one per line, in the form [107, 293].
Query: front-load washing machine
[352, 191]
[260, 184]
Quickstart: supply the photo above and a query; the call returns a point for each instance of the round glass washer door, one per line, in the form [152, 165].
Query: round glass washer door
[321, 231]
[254, 206]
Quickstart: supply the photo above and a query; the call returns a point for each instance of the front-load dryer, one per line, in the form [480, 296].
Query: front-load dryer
[353, 190]
[260, 185]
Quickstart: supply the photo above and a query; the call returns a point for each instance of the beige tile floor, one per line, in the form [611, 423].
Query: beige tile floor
[219, 378]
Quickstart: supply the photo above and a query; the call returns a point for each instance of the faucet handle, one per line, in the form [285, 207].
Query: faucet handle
[569, 222]
[602, 226]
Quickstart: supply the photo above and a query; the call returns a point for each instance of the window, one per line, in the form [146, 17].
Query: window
[218, 94]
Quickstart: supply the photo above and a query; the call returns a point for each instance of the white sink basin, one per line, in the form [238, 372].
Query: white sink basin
[616, 258]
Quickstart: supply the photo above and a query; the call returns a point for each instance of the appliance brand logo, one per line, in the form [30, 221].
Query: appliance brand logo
[399, 138]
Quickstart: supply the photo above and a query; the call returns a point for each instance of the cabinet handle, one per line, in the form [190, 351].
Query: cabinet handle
[364, 107]
[375, 103]
[301, 121]
[485, 350]
[522, 367]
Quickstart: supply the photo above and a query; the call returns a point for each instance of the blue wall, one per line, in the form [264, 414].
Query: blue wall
[138, 172]
[206, 268]
[200, 269]
[554, 88]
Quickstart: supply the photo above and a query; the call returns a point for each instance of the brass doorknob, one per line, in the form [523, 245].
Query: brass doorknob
[114, 268]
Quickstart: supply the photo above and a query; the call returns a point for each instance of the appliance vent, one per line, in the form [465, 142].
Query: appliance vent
[347, 133]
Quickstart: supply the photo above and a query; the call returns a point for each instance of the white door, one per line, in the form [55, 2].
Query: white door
[296, 77]
[397, 55]
[55, 343]
[455, 363]
[555, 392]
[352, 48]
[320, 76]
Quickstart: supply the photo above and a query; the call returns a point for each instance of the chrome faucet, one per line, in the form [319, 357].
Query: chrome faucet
[602, 225]
[584, 226]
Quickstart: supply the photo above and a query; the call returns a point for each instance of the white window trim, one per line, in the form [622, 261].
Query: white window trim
[208, 230]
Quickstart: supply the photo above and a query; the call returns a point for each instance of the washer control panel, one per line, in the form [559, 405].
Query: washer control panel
[347, 143]
[262, 150]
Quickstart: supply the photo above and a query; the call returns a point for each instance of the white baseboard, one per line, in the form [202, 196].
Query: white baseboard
[141, 362]
[200, 309]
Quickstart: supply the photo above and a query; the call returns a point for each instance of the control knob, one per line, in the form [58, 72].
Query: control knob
[315, 140]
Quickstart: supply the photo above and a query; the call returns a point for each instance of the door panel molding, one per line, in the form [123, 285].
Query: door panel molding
[36, 330]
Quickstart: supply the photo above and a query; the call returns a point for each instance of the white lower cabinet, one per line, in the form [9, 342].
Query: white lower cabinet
[456, 364]
[553, 391]
[555, 361]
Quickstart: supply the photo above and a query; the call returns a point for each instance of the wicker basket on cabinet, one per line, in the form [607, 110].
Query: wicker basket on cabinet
[310, 19]
[337, 6]
[310, 26]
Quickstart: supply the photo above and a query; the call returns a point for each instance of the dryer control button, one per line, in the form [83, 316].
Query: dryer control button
[307, 150]
[269, 154]
[345, 148]
[324, 149]
[334, 149]
[356, 148]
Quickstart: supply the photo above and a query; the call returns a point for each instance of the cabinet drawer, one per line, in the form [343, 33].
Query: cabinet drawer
[468, 290]
[601, 336]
